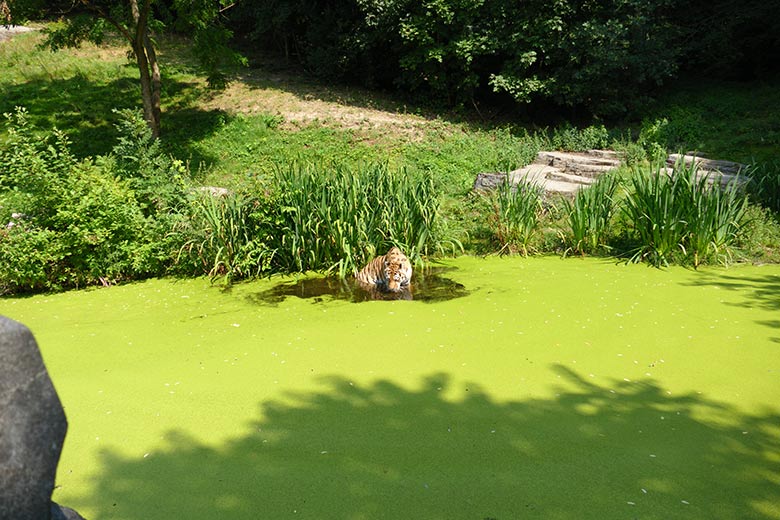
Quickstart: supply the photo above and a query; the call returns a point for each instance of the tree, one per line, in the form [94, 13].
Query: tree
[135, 22]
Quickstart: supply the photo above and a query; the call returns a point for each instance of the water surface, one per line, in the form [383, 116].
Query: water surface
[533, 388]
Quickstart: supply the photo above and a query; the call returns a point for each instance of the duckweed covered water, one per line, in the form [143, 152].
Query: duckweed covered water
[539, 388]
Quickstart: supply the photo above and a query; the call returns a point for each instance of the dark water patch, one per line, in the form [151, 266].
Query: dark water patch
[428, 285]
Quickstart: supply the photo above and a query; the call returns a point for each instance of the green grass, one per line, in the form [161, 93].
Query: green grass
[738, 121]
[572, 390]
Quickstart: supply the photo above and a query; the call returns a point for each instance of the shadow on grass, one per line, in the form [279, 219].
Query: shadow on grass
[267, 71]
[622, 450]
[84, 110]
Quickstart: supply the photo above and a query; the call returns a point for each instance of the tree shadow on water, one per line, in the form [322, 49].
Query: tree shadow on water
[623, 450]
[761, 292]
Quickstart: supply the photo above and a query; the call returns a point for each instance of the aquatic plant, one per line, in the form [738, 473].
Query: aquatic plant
[683, 214]
[336, 218]
[589, 215]
[515, 215]
[223, 237]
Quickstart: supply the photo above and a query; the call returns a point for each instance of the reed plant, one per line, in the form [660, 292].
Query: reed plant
[223, 238]
[765, 184]
[683, 215]
[335, 219]
[516, 210]
[589, 215]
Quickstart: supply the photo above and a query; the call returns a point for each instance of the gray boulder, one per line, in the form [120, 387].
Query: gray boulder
[32, 427]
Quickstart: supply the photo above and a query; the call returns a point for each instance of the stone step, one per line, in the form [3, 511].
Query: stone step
[605, 154]
[726, 167]
[533, 173]
[713, 176]
[577, 163]
[561, 187]
[558, 175]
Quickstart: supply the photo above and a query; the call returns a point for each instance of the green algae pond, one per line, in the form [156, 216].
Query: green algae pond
[507, 388]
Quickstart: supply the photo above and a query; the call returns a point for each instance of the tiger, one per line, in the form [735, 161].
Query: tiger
[391, 272]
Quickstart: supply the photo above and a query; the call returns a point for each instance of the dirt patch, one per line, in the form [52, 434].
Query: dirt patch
[6, 32]
[300, 104]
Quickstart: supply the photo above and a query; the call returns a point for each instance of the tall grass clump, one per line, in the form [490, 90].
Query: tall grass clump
[589, 215]
[765, 184]
[336, 219]
[516, 210]
[683, 216]
[224, 237]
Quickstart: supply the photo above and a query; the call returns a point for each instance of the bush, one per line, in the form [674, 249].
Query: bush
[571, 139]
[85, 219]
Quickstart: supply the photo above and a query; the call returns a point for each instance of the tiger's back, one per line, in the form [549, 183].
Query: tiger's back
[392, 271]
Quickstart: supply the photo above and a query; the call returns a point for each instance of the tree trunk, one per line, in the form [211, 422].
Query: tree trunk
[146, 59]
[156, 83]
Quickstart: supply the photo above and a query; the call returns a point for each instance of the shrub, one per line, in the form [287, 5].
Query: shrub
[87, 221]
[158, 180]
[569, 138]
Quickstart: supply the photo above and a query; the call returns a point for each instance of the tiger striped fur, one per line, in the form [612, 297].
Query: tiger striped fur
[391, 272]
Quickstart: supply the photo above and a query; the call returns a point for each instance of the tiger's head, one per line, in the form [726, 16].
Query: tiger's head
[396, 269]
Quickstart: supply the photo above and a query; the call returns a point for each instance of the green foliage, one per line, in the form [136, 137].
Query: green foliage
[516, 211]
[337, 219]
[765, 184]
[682, 129]
[569, 138]
[222, 238]
[158, 180]
[31, 258]
[683, 216]
[88, 221]
[603, 55]
[759, 238]
[589, 215]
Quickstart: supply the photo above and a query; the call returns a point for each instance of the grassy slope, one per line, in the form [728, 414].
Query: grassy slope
[271, 116]
[725, 120]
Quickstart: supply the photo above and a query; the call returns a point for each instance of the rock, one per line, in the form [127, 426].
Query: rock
[214, 191]
[562, 173]
[711, 165]
[723, 172]
[488, 181]
[59, 512]
[32, 427]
